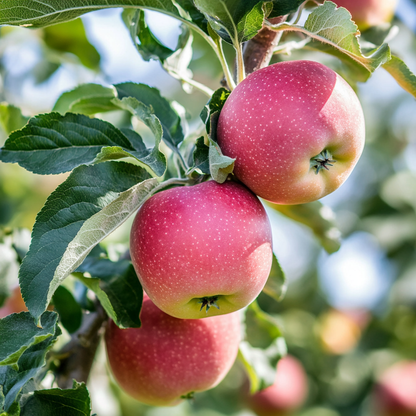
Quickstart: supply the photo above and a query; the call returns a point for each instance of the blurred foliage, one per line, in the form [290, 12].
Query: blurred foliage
[343, 351]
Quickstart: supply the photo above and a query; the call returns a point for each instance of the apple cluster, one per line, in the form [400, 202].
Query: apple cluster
[296, 130]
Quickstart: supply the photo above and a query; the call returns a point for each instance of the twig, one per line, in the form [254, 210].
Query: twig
[259, 50]
[78, 354]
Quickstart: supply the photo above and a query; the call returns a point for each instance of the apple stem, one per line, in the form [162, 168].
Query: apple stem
[322, 161]
[208, 302]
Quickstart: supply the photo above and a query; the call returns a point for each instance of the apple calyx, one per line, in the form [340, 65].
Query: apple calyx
[189, 396]
[208, 301]
[322, 161]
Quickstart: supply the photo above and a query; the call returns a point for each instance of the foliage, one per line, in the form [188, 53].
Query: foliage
[120, 144]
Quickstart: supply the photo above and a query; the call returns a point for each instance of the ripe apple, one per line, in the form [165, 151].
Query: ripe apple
[202, 250]
[367, 13]
[169, 359]
[13, 304]
[395, 392]
[296, 129]
[288, 392]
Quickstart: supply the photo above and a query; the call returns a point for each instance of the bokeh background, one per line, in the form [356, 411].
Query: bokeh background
[347, 316]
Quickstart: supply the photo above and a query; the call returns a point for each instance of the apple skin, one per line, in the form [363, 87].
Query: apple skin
[13, 304]
[288, 392]
[282, 116]
[395, 392]
[207, 240]
[367, 13]
[167, 358]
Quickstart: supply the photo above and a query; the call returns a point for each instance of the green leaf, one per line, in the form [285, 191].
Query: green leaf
[9, 269]
[282, 7]
[70, 312]
[211, 112]
[220, 166]
[48, 12]
[23, 333]
[88, 191]
[154, 159]
[235, 21]
[262, 349]
[70, 402]
[51, 143]
[318, 217]
[70, 37]
[86, 99]
[333, 32]
[117, 287]
[200, 157]
[188, 11]
[150, 97]
[148, 46]
[276, 284]
[11, 118]
[402, 74]
[30, 366]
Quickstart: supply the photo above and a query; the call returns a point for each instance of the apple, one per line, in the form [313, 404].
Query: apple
[168, 359]
[395, 392]
[13, 304]
[296, 129]
[288, 392]
[367, 13]
[202, 250]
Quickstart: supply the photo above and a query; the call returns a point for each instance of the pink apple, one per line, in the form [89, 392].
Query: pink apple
[168, 358]
[13, 304]
[296, 129]
[288, 392]
[202, 250]
[395, 392]
[366, 13]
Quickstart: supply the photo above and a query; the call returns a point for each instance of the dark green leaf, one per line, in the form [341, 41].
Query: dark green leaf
[235, 21]
[49, 12]
[88, 191]
[70, 312]
[52, 143]
[117, 287]
[210, 113]
[318, 217]
[86, 99]
[11, 118]
[145, 41]
[70, 37]
[169, 118]
[9, 269]
[53, 402]
[201, 157]
[282, 7]
[188, 10]
[23, 333]
[30, 366]
[402, 74]
[276, 284]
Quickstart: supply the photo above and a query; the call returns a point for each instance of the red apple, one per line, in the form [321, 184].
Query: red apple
[395, 392]
[168, 359]
[200, 246]
[288, 392]
[366, 13]
[13, 304]
[296, 129]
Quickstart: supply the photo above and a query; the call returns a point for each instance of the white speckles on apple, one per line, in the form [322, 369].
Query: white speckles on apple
[299, 102]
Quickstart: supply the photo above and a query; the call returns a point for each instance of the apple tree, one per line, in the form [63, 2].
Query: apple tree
[272, 115]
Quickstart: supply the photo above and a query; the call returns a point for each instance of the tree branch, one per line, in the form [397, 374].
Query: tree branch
[259, 50]
[78, 354]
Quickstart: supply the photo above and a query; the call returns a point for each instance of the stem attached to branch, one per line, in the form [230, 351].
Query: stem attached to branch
[259, 50]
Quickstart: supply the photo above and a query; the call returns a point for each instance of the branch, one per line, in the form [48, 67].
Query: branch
[259, 51]
[78, 354]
